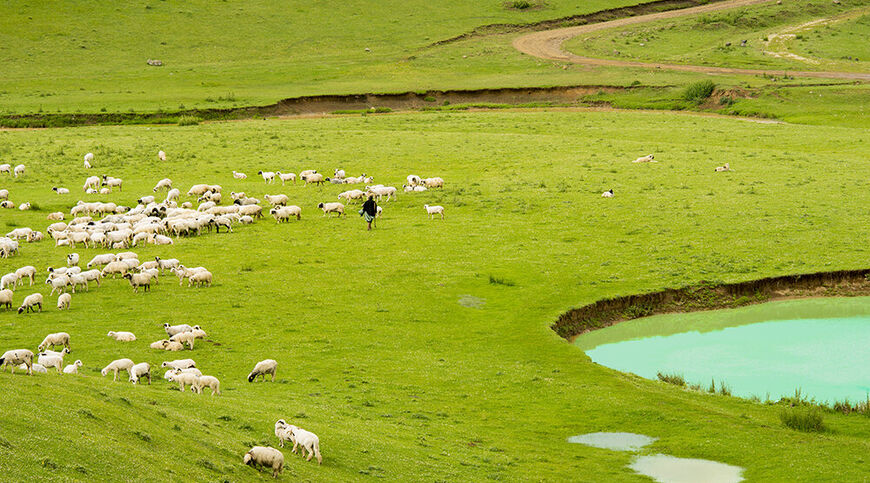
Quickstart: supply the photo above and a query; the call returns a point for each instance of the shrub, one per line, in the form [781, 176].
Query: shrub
[429, 99]
[807, 420]
[520, 4]
[699, 91]
[188, 121]
[500, 281]
[674, 379]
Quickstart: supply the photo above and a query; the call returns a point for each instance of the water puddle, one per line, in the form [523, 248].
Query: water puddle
[670, 469]
[614, 441]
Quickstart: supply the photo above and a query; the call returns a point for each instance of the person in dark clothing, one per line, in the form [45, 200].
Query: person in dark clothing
[369, 211]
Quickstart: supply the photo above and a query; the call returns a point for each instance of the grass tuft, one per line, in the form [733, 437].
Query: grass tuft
[675, 379]
[188, 121]
[807, 420]
[700, 91]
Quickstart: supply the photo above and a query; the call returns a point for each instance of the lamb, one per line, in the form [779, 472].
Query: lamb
[332, 208]
[18, 171]
[56, 216]
[282, 432]
[726, 167]
[60, 191]
[307, 440]
[6, 298]
[28, 271]
[183, 378]
[63, 301]
[268, 176]
[184, 338]
[24, 206]
[246, 220]
[10, 280]
[161, 155]
[267, 457]
[72, 259]
[179, 364]
[607, 194]
[139, 280]
[140, 370]
[15, 357]
[649, 158]
[339, 174]
[277, 200]
[115, 268]
[37, 368]
[122, 336]
[88, 158]
[172, 195]
[238, 196]
[73, 368]
[434, 210]
[6, 168]
[51, 360]
[268, 366]
[207, 381]
[116, 366]
[238, 175]
[315, 178]
[284, 213]
[29, 302]
[284, 177]
[176, 329]
[199, 279]
[433, 182]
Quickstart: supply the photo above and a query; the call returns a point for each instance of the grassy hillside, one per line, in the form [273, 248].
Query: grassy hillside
[421, 350]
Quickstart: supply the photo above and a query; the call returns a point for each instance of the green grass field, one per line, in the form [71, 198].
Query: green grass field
[397, 347]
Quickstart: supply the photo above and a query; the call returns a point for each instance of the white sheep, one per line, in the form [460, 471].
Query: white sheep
[284, 213]
[93, 276]
[268, 176]
[307, 440]
[246, 220]
[4, 194]
[50, 360]
[434, 210]
[284, 177]
[60, 191]
[198, 332]
[117, 366]
[10, 280]
[649, 158]
[182, 378]
[607, 194]
[73, 368]
[726, 167]
[7, 204]
[282, 432]
[24, 206]
[139, 280]
[37, 368]
[191, 370]
[63, 301]
[27, 271]
[172, 195]
[179, 364]
[267, 457]
[53, 340]
[102, 259]
[184, 338]
[413, 180]
[6, 298]
[88, 158]
[92, 182]
[16, 357]
[72, 259]
[200, 279]
[435, 182]
[56, 216]
[238, 175]
[122, 336]
[277, 200]
[111, 182]
[19, 170]
[176, 329]
[29, 302]
[268, 366]
[166, 264]
[315, 178]
[6, 168]
[207, 381]
[115, 268]
[327, 208]
[161, 155]
[140, 370]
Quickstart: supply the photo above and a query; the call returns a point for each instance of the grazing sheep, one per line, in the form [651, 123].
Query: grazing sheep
[139, 280]
[115, 268]
[381, 191]
[88, 158]
[339, 174]
[122, 336]
[28, 271]
[176, 329]
[60, 191]
[116, 366]
[284, 177]
[10, 280]
[726, 167]
[16, 357]
[18, 171]
[6, 168]
[332, 208]
[24, 206]
[307, 172]
[184, 338]
[29, 302]
[198, 332]
[266, 457]
[161, 155]
[140, 370]
[268, 176]
[166, 264]
[52, 360]
[207, 381]
[315, 178]
[182, 378]
[63, 301]
[199, 279]
[277, 200]
[413, 180]
[268, 366]
[6, 298]
[92, 182]
[111, 182]
[103, 259]
[352, 195]
[282, 432]
[7, 204]
[172, 195]
[649, 158]
[237, 175]
[53, 340]
[179, 364]
[434, 210]
[607, 194]
[307, 440]
[433, 183]
[284, 213]
[73, 368]
[191, 370]
[246, 220]
[93, 276]
[78, 281]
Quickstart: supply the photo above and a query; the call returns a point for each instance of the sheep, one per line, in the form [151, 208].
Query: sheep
[277, 200]
[167, 345]
[37, 368]
[207, 381]
[307, 440]
[15, 357]
[56, 216]
[63, 301]
[92, 182]
[4, 194]
[352, 195]
[284, 177]
[268, 176]
[255, 211]
[7, 204]
[6, 168]
[434, 210]
[51, 360]
[267, 457]
[93, 276]
[126, 256]
[169, 372]
[184, 338]
[282, 432]
[198, 332]
[161, 155]
[183, 272]
[139, 280]
[409, 188]
[24, 206]
[88, 158]
[238, 196]
[284, 213]
[197, 190]
[73, 368]
[102, 259]
[649, 158]
[307, 172]
[179, 364]
[607, 194]
[238, 175]
[27, 271]
[145, 200]
[315, 178]
[268, 366]
[433, 182]
[77, 281]
[244, 200]
[332, 208]
[726, 167]
[117, 366]
[140, 370]
[380, 191]
[115, 268]
[52, 340]
[165, 264]
[72, 259]
[176, 329]
[182, 378]
[18, 171]
[29, 302]
[122, 336]
[10, 280]
[199, 279]
[60, 191]
[111, 182]
[6, 298]
[246, 220]
[172, 195]
[413, 180]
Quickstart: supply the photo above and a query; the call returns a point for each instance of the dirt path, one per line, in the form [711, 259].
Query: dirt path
[548, 45]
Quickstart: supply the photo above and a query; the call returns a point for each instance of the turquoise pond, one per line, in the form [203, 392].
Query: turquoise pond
[820, 346]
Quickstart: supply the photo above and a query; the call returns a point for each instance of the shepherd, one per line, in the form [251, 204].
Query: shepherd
[369, 211]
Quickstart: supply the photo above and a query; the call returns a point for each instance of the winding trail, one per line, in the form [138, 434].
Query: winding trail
[548, 45]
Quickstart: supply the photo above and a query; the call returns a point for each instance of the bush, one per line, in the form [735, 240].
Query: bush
[699, 91]
[429, 99]
[501, 281]
[521, 4]
[674, 379]
[188, 121]
[807, 420]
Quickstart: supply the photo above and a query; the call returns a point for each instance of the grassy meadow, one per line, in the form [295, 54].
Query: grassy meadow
[422, 350]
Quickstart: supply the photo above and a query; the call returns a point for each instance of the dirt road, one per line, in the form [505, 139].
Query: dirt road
[548, 45]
